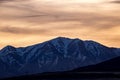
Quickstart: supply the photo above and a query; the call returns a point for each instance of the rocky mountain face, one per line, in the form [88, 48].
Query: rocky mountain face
[59, 54]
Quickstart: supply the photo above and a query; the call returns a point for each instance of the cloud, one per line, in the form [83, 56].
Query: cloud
[6, 1]
[97, 21]
[116, 1]
[10, 0]
[18, 30]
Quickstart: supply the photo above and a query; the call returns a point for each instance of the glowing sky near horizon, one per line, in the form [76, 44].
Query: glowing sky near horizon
[28, 22]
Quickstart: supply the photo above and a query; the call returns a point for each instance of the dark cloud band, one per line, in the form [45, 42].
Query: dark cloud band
[115, 1]
[17, 30]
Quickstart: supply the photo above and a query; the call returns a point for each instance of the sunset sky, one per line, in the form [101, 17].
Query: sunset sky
[28, 22]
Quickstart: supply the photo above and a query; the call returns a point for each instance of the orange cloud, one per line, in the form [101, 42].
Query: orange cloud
[31, 22]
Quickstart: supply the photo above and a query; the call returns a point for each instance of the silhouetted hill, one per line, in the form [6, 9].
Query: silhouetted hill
[112, 65]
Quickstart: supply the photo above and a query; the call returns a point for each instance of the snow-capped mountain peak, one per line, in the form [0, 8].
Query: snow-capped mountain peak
[59, 54]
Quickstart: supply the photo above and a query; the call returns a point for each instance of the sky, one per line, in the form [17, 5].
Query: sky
[28, 22]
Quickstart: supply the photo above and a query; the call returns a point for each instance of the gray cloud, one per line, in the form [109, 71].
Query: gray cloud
[115, 1]
[17, 30]
[5, 1]
[10, 0]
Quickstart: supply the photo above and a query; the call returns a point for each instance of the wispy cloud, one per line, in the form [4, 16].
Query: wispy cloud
[18, 30]
[115, 1]
[97, 20]
[10, 0]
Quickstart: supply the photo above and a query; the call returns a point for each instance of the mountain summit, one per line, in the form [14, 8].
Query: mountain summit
[59, 54]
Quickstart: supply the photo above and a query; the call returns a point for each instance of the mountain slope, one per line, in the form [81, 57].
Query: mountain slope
[112, 65]
[59, 54]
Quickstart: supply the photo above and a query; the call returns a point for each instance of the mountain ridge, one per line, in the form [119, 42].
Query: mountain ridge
[59, 54]
[59, 38]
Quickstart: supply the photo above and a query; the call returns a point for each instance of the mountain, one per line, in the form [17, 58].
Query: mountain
[109, 69]
[112, 65]
[59, 54]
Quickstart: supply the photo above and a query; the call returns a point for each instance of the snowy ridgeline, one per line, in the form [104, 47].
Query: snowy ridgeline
[59, 54]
